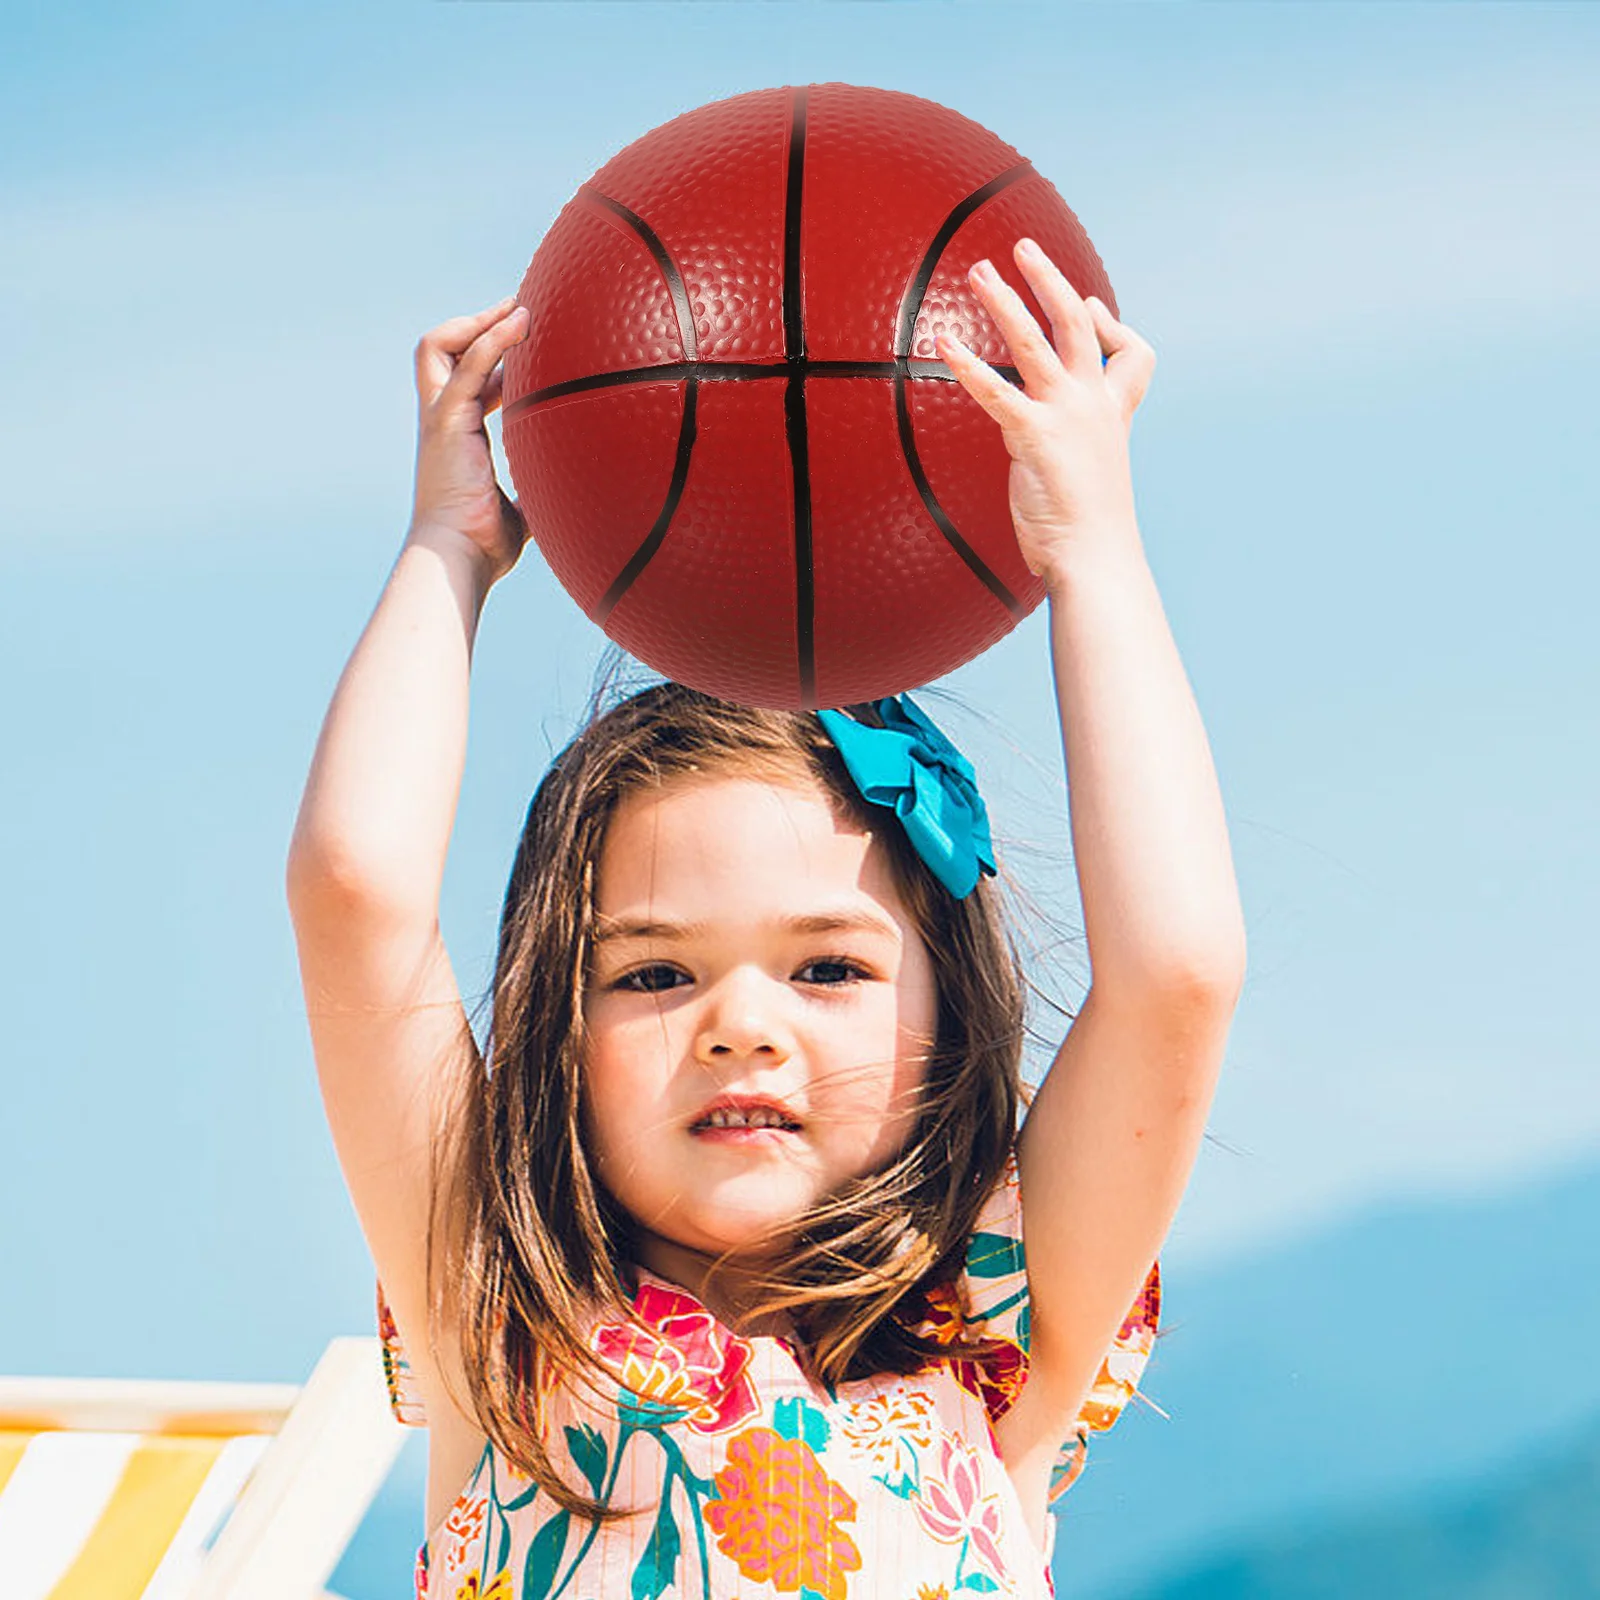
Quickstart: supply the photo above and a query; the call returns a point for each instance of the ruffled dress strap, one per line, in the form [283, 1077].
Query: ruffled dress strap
[992, 1297]
[404, 1399]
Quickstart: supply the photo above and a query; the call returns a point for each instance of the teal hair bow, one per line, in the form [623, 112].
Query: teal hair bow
[908, 764]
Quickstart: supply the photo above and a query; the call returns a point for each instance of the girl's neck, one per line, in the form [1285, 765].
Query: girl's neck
[726, 1298]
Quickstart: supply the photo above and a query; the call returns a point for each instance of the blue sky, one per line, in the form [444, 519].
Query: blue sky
[1363, 241]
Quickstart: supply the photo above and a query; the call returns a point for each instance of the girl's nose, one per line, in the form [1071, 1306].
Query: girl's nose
[742, 1018]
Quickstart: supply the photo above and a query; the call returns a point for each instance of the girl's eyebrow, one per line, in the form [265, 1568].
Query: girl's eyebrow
[610, 929]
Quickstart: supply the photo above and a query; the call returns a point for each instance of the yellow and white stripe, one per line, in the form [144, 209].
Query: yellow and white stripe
[137, 1490]
[114, 1516]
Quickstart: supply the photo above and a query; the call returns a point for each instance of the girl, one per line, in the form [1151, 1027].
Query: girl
[713, 1279]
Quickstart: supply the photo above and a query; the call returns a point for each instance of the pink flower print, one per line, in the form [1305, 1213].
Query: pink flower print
[690, 1362]
[952, 1506]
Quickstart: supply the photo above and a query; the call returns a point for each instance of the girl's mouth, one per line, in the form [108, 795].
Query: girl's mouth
[743, 1119]
[753, 1135]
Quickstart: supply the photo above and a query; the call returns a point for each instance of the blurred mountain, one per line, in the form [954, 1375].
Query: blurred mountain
[1394, 1360]
[1532, 1532]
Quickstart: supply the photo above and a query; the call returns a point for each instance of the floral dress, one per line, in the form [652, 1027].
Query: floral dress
[756, 1483]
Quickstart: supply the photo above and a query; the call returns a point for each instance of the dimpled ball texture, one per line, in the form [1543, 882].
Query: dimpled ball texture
[727, 427]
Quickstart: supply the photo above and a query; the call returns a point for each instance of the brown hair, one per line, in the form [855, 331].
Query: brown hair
[526, 1283]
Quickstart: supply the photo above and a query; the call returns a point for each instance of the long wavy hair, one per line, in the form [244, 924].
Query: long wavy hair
[532, 1242]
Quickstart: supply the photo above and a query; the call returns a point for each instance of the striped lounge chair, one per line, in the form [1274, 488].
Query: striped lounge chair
[136, 1490]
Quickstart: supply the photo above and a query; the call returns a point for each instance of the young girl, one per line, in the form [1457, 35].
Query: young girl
[714, 1279]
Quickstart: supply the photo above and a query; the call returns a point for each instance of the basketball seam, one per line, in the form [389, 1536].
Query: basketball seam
[910, 307]
[794, 407]
[640, 558]
[739, 371]
[688, 337]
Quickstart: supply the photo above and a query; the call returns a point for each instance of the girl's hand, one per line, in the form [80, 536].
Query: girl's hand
[459, 374]
[1068, 434]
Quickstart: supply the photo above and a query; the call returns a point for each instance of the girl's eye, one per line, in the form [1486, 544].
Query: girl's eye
[835, 972]
[839, 965]
[638, 979]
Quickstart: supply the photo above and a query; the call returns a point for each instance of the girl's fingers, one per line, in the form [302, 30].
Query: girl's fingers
[483, 356]
[1036, 359]
[1070, 321]
[1130, 359]
[999, 398]
[489, 398]
[438, 350]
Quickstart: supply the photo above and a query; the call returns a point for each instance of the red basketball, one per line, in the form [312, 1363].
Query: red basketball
[727, 428]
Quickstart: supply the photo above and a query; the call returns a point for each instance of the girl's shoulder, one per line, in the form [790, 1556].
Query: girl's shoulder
[988, 1300]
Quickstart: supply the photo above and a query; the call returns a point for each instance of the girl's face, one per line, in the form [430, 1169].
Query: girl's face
[750, 951]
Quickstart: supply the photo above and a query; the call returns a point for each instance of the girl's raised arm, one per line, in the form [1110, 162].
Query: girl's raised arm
[368, 853]
[1112, 1134]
